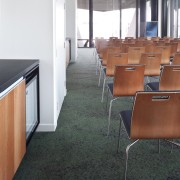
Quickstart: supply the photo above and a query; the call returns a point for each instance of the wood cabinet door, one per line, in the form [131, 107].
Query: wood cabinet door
[12, 131]
[7, 116]
[19, 124]
[2, 140]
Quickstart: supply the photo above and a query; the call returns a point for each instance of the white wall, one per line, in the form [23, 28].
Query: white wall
[26, 31]
[59, 56]
[71, 26]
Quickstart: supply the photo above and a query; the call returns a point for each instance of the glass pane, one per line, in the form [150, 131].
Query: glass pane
[128, 18]
[178, 18]
[148, 10]
[83, 23]
[106, 18]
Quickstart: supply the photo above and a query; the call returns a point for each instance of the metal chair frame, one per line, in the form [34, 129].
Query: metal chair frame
[127, 80]
[160, 98]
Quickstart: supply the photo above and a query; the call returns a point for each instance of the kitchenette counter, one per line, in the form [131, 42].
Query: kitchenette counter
[13, 69]
[19, 112]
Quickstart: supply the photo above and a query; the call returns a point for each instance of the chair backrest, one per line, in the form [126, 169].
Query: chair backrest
[104, 55]
[128, 79]
[103, 43]
[115, 59]
[129, 39]
[106, 52]
[112, 41]
[139, 42]
[126, 45]
[177, 41]
[118, 42]
[166, 53]
[161, 42]
[134, 54]
[174, 48]
[176, 59]
[149, 47]
[152, 63]
[155, 38]
[169, 79]
[156, 115]
[115, 50]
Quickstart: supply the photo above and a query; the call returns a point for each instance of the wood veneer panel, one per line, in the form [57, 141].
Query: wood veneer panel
[2, 140]
[8, 103]
[19, 124]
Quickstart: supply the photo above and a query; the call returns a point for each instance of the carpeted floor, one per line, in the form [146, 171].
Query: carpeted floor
[79, 148]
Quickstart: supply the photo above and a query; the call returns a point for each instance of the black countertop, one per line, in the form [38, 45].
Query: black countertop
[12, 70]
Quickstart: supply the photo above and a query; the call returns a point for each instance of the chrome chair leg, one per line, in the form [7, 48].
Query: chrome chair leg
[127, 150]
[109, 118]
[173, 143]
[159, 149]
[148, 80]
[104, 83]
[119, 137]
[172, 146]
[97, 63]
[107, 99]
[100, 72]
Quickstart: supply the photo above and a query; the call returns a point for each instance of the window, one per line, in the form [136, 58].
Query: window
[83, 23]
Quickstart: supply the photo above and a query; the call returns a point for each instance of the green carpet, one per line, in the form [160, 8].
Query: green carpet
[79, 148]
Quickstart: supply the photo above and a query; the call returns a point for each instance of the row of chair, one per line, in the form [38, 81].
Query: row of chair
[134, 56]
[155, 113]
[152, 62]
[100, 43]
[167, 46]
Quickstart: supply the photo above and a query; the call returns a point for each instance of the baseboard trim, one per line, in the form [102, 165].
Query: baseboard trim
[46, 128]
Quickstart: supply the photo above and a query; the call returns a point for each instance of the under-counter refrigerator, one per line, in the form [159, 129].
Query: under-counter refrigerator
[32, 102]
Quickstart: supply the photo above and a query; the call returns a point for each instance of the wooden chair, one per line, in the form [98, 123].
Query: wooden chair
[160, 43]
[152, 62]
[155, 38]
[134, 54]
[139, 42]
[149, 47]
[102, 44]
[177, 41]
[129, 39]
[113, 60]
[127, 80]
[166, 53]
[176, 59]
[118, 43]
[174, 48]
[155, 115]
[126, 45]
[169, 79]
[103, 63]
[112, 41]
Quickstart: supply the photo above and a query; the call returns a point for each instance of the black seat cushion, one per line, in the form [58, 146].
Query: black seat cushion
[153, 86]
[110, 86]
[126, 118]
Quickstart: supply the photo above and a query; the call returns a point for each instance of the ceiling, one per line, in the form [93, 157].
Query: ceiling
[107, 5]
